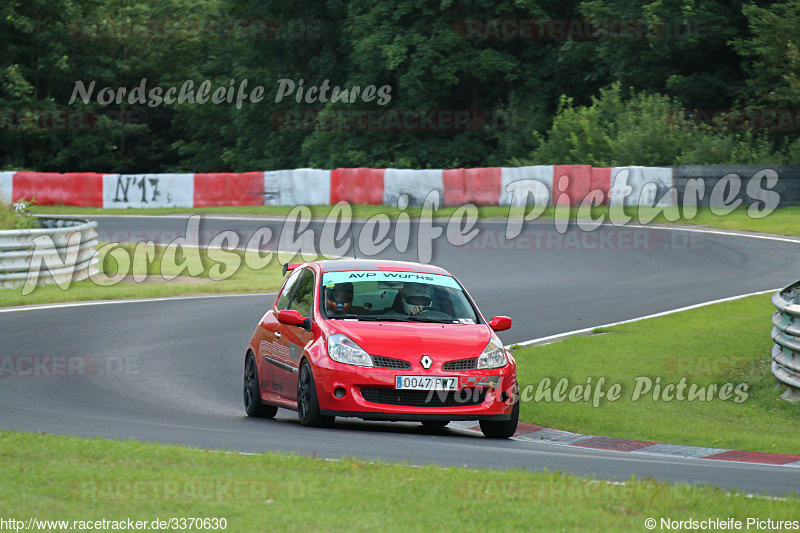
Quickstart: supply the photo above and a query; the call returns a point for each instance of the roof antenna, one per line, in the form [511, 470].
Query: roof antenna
[353, 235]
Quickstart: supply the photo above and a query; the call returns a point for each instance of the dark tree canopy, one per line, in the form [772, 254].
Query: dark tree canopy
[429, 83]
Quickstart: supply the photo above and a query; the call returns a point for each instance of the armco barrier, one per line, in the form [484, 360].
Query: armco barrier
[786, 334]
[55, 264]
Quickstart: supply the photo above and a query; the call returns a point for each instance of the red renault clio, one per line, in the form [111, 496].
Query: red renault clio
[380, 340]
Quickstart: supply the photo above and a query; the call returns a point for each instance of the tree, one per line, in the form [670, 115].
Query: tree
[773, 51]
[644, 129]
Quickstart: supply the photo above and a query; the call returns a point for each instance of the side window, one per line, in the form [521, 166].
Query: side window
[283, 299]
[303, 297]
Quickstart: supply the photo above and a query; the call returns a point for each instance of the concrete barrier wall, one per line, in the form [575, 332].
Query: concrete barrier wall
[6, 181]
[711, 185]
[717, 183]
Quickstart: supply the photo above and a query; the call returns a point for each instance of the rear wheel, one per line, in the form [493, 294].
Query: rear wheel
[307, 403]
[502, 429]
[434, 424]
[252, 392]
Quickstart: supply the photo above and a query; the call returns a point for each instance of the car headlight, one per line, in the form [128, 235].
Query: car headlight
[493, 356]
[343, 349]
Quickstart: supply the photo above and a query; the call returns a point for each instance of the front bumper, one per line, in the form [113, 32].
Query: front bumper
[492, 402]
[410, 417]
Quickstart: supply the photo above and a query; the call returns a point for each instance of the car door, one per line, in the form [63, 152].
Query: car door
[293, 339]
[270, 350]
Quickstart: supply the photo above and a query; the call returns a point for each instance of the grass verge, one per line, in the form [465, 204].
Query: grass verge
[706, 347]
[66, 478]
[12, 219]
[212, 272]
[780, 222]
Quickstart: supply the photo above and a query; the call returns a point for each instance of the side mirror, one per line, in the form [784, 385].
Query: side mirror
[290, 317]
[500, 323]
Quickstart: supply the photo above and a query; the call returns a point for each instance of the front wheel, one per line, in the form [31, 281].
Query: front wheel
[307, 403]
[252, 392]
[502, 429]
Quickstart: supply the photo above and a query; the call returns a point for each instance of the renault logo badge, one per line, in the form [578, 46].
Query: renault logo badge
[426, 361]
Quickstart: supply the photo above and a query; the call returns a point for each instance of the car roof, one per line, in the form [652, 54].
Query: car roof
[345, 265]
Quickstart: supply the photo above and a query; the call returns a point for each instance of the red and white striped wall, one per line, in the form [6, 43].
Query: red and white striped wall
[542, 184]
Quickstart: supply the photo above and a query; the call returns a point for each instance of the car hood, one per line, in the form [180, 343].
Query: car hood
[409, 340]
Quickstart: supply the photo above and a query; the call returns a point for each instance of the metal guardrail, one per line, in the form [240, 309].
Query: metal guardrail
[786, 334]
[17, 249]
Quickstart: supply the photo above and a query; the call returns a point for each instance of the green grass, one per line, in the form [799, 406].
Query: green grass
[713, 345]
[198, 263]
[69, 478]
[781, 222]
[359, 211]
[10, 219]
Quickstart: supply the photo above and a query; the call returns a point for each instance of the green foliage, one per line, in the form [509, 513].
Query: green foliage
[646, 129]
[772, 49]
[17, 216]
[687, 54]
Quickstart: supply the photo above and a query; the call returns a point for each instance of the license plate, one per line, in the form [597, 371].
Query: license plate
[426, 382]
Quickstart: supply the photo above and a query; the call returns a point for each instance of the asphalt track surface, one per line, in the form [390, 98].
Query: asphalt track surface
[171, 370]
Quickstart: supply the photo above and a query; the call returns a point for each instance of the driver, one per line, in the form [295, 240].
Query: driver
[416, 297]
[339, 298]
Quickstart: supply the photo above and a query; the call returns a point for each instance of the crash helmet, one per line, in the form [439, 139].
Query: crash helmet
[339, 297]
[415, 294]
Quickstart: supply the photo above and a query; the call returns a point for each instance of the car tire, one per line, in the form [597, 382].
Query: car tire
[434, 424]
[307, 403]
[252, 392]
[503, 429]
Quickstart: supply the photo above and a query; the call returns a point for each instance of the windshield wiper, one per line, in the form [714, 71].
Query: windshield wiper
[375, 318]
[369, 318]
[381, 318]
[412, 318]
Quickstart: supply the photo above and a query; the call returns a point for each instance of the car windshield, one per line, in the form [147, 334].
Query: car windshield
[395, 296]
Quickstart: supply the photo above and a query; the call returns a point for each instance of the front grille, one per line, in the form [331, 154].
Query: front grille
[461, 364]
[423, 398]
[388, 362]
